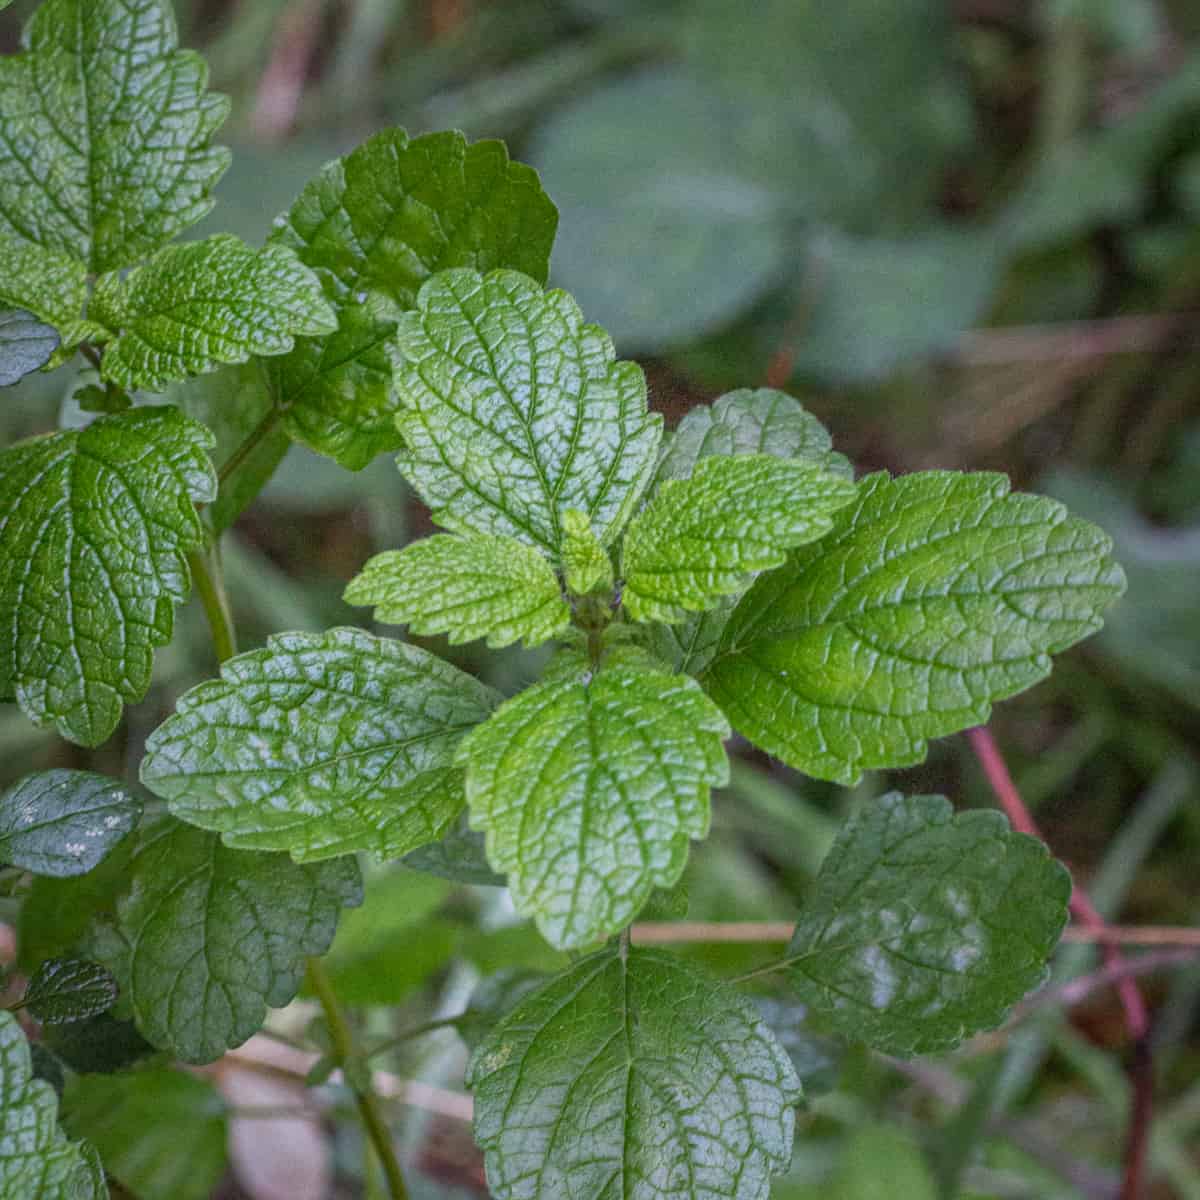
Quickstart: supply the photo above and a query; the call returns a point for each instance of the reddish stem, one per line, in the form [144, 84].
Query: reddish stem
[1137, 1020]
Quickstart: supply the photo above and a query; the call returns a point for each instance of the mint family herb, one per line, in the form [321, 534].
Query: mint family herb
[731, 576]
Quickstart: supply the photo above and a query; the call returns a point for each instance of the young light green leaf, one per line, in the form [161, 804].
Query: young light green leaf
[750, 421]
[49, 285]
[95, 525]
[106, 152]
[26, 345]
[632, 1074]
[161, 1133]
[320, 744]
[467, 587]
[195, 306]
[935, 595]
[515, 410]
[63, 822]
[926, 926]
[701, 538]
[62, 990]
[586, 565]
[589, 786]
[375, 225]
[205, 938]
[36, 1159]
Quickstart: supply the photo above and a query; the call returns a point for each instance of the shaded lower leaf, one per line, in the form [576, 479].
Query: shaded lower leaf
[205, 938]
[459, 855]
[36, 1159]
[102, 1045]
[63, 990]
[63, 822]
[633, 1074]
[925, 926]
[161, 1133]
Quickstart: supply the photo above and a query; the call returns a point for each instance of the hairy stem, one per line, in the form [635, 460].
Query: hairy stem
[210, 587]
[345, 1051]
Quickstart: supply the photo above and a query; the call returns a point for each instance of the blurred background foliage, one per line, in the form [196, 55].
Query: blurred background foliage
[966, 233]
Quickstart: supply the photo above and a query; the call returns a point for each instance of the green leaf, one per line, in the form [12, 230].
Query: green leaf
[103, 1044]
[63, 822]
[589, 786]
[817, 1058]
[459, 855]
[702, 538]
[69, 989]
[880, 1162]
[320, 744]
[51, 286]
[689, 646]
[586, 565]
[515, 410]
[106, 151]
[205, 938]
[195, 306]
[467, 587]
[375, 225]
[95, 525]
[925, 926]
[750, 421]
[494, 997]
[26, 345]
[161, 1133]
[935, 595]
[36, 1159]
[633, 1074]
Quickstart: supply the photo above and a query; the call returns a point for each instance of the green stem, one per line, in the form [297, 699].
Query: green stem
[345, 1052]
[254, 439]
[415, 1032]
[206, 571]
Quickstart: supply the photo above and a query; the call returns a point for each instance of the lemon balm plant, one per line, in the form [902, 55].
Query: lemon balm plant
[732, 576]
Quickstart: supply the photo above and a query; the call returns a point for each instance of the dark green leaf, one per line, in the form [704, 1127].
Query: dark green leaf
[935, 595]
[161, 1133]
[69, 989]
[375, 225]
[63, 822]
[494, 998]
[320, 744]
[103, 1044]
[632, 1074]
[925, 926]
[25, 345]
[95, 525]
[515, 410]
[205, 937]
[458, 855]
[106, 153]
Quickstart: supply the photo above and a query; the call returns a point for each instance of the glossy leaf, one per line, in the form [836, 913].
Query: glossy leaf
[26, 345]
[95, 525]
[161, 1132]
[925, 926]
[633, 1074]
[63, 990]
[589, 786]
[750, 421]
[36, 1159]
[196, 306]
[205, 937]
[515, 410]
[466, 587]
[49, 285]
[63, 822]
[375, 225]
[320, 744]
[106, 153]
[702, 538]
[935, 595]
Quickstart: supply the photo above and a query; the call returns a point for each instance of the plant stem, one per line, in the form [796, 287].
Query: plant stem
[210, 587]
[345, 1052]
[254, 439]
[415, 1032]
